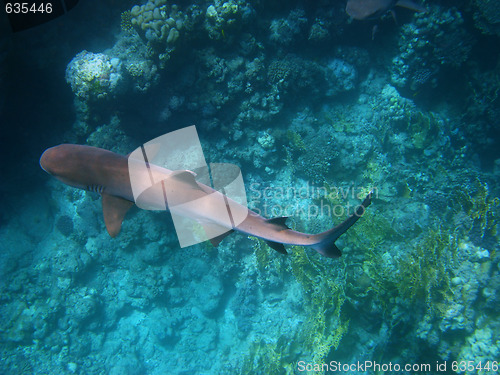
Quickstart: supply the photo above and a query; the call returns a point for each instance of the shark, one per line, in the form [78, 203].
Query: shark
[107, 173]
[373, 9]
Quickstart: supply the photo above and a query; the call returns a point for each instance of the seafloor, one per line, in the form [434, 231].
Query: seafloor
[316, 109]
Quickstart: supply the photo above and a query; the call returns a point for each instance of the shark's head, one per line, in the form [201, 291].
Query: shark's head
[63, 162]
[51, 160]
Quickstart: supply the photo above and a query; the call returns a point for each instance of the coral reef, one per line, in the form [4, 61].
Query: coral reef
[341, 76]
[437, 38]
[225, 18]
[487, 16]
[481, 108]
[160, 24]
[285, 31]
[316, 114]
[94, 75]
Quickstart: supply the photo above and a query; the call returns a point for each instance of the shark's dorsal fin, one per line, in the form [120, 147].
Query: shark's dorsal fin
[277, 246]
[114, 210]
[187, 177]
[279, 221]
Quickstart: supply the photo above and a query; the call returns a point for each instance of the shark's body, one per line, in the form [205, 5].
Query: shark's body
[373, 9]
[105, 172]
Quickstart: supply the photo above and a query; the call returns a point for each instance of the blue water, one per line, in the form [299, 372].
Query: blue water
[316, 110]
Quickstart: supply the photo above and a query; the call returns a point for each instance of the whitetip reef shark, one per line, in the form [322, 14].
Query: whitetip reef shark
[107, 173]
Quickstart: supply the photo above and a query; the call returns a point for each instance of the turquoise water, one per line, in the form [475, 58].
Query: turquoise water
[316, 110]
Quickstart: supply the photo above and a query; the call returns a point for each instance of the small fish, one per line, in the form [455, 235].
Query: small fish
[373, 9]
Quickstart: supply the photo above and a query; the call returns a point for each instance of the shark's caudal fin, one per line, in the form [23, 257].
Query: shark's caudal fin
[326, 240]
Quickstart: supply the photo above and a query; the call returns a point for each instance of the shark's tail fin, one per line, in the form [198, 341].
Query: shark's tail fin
[326, 240]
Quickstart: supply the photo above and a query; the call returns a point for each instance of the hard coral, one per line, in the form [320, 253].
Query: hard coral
[94, 75]
[223, 18]
[159, 24]
[436, 38]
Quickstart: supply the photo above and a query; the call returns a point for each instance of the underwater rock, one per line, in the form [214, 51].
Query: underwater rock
[481, 347]
[285, 31]
[245, 304]
[127, 364]
[208, 297]
[81, 307]
[266, 140]
[20, 325]
[340, 76]
[67, 262]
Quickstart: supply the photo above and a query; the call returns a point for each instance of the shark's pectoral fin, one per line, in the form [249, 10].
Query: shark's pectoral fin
[114, 210]
[215, 241]
[280, 222]
[215, 232]
[277, 246]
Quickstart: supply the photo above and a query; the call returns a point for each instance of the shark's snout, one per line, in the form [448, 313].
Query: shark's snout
[44, 160]
[50, 159]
